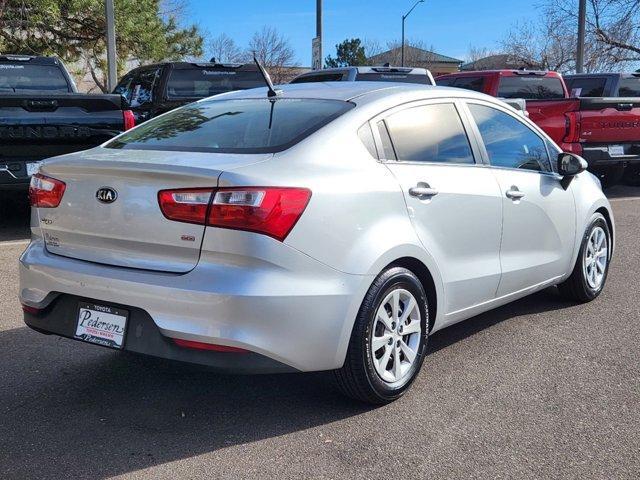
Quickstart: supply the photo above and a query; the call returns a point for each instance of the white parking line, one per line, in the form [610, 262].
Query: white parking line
[624, 199]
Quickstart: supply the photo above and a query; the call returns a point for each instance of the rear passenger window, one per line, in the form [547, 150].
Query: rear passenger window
[509, 142]
[587, 87]
[430, 133]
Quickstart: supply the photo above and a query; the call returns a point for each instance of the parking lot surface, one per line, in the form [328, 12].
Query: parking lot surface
[541, 388]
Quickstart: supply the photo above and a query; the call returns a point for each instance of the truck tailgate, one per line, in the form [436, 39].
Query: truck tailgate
[609, 120]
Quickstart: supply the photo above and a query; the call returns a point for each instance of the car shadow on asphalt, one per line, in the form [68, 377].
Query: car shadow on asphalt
[73, 410]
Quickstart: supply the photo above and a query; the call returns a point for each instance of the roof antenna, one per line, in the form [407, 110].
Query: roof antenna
[267, 79]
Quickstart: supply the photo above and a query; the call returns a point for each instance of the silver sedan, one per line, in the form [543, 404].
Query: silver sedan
[334, 226]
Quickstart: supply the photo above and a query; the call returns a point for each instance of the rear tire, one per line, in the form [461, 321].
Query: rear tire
[387, 347]
[592, 265]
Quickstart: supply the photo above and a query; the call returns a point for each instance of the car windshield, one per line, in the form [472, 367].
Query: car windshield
[629, 87]
[392, 77]
[19, 78]
[530, 88]
[234, 126]
[204, 82]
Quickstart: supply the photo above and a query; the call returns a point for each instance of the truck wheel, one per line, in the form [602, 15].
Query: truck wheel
[388, 341]
[632, 176]
[592, 265]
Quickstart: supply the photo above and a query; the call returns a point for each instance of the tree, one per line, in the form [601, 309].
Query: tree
[224, 49]
[74, 30]
[612, 37]
[272, 50]
[348, 53]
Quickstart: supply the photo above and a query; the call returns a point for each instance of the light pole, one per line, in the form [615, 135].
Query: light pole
[112, 75]
[582, 20]
[404, 17]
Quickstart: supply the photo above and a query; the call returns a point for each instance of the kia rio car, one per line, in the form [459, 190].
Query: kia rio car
[334, 226]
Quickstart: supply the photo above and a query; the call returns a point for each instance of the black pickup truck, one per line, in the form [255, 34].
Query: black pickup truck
[625, 85]
[42, 115]
[154, 89]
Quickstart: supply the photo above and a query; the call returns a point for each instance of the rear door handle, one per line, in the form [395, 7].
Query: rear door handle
[514, 194]
[423, 190]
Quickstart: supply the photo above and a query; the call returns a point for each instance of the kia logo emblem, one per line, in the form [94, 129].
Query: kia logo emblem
[106, 195]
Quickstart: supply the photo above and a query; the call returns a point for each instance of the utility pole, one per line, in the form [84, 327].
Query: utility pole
[316, 61]
[112, 75]
[582, 21]
[404, 17]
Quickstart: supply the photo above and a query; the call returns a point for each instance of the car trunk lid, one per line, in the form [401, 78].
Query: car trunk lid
[126, 228]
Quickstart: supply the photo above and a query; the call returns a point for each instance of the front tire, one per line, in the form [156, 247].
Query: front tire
[388, 341]
[592, 265]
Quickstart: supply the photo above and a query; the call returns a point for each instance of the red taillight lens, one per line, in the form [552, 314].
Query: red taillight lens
[572, 123]
[45, 192]
[129, 119]
[208, 346]
[270, 211]
[185, 205]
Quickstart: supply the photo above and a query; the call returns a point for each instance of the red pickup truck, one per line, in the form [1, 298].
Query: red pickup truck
[605, 131]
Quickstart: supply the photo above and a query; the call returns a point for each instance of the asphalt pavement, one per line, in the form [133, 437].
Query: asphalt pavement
[541, 388]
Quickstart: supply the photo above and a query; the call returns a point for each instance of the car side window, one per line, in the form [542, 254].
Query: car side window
[509, 142]
[430, 133]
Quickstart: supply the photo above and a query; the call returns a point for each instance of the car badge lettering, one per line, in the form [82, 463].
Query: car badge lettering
[106, 195]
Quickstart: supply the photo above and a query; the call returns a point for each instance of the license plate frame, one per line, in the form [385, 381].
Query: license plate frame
[101, 325]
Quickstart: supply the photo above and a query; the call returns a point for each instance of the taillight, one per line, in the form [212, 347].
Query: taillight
[185, 205]
[572, 126]
[129, 119]
[45, 192]
[271, 211]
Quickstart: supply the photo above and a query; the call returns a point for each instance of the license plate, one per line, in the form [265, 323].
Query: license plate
[32, 168]
[101, 324]
[616, 150]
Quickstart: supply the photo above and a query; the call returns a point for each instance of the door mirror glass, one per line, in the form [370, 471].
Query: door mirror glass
[570, 164]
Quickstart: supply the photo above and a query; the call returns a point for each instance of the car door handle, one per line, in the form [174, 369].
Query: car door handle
[423, 190]
[514, 194]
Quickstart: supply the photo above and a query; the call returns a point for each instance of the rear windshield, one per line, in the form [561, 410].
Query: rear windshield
[392, 77]
[587, 87]
[17, 78]
[629, 87]
[233, 126]
[204, 82]
[530, 88]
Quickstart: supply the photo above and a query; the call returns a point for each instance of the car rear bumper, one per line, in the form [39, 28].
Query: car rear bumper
[298, 319]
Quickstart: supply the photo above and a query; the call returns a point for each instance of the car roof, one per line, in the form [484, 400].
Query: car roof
[370, 69]
[31, 59]
[348, 91]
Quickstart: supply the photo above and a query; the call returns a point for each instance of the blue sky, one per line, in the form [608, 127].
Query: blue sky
[451, 26]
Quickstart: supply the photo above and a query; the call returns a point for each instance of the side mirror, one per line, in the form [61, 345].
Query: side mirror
[570, 165]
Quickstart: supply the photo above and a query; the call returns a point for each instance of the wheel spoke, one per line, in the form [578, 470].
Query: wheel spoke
[407, 310]
[397, 367]
[383, 363]
[378, 342]
[383, 316]
[413, 327]
[408, 353]
[395, 306]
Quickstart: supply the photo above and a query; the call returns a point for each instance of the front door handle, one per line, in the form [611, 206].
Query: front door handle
[423, 190]
[514, 194]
